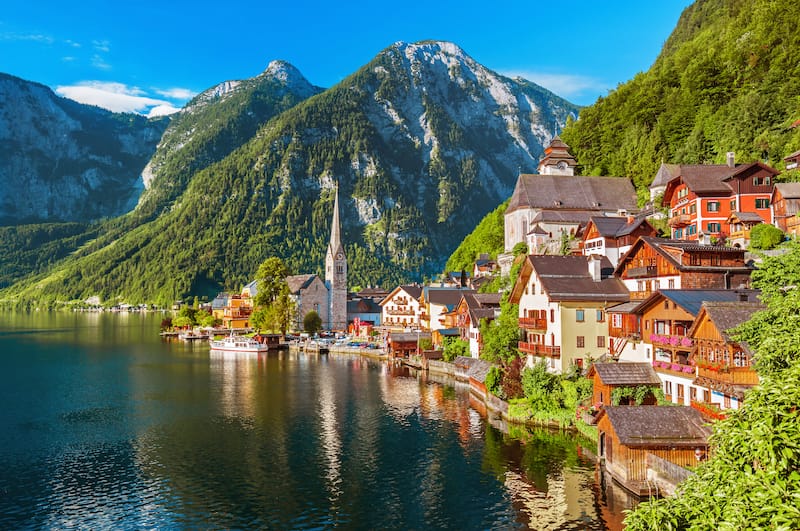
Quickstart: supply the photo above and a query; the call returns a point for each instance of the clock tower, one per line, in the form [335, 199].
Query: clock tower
[336, 274]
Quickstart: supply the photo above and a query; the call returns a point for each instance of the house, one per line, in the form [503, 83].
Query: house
[786, 208]
[724, 367]
[400, 309]
[609, 376]
[627, 434]
[405, 344]
[656, 263]
[309, 293]
[436, 302]
[666, 317]
[484, 267]
[792, 160]
[235, 314]
[363, 312]
[562, 303]
[625, 333]
[613, 236]
[701, 197]
[740, 224]
[555, 202]
[470, 311]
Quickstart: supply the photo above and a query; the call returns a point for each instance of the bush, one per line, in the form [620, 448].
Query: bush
[765, 236]
[494, 380]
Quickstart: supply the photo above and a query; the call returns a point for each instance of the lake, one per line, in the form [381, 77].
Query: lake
[106, 425]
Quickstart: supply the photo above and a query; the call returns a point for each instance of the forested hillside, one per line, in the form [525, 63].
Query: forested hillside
[727, 79]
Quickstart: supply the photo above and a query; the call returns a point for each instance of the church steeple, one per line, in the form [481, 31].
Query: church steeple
[336, 273]
[335, 245]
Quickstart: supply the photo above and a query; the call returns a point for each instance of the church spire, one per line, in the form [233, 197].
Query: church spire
[336, 239]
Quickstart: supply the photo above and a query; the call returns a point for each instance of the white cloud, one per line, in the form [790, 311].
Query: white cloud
[177, 93]
[565, 85]
[99, 62]
[36, 37]
[102, 46]
[116, 97]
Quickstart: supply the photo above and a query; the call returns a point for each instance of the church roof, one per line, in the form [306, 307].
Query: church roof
[299, 282]
[572, 192]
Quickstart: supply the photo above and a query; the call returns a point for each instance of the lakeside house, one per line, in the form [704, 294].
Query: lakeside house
[562, 308]
[436, 302]
[405, 344]
[470, 311]
[628, 435]
[609, 376]
[400, 309]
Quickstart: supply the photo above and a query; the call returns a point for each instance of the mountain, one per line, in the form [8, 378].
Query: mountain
[64, 161]
[422, 142]
[727, 79]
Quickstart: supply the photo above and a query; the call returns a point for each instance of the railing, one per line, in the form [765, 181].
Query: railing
[676, 369]
[730, 375]
[399, 311]
[640, 295]
[670, 340]
[643, 271]
[711, 411]
[681, 220]
[540, 350]
[624, 333]
[237, 314]
[533, 323]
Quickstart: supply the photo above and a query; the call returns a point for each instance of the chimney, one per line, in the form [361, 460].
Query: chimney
[731, 158]
[594, 268]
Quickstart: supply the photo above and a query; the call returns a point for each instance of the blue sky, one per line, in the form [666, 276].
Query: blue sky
[152, 56]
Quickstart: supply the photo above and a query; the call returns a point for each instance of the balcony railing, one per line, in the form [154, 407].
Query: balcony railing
[643, 271]
[640, 295]
[681, 220]
[729, 375]
[400, 311]
[672, 341]
[675, 369]
[533, 323]
[540, 350]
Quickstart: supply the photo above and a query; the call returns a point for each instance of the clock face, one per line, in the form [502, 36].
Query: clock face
[339, 256]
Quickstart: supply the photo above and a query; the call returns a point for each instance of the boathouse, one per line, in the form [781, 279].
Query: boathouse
[609, 376]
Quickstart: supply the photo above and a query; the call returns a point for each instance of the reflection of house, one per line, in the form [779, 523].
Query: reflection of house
[724, 367]
[609, 376]
[613, 236]
[308, 293]
[562, 302]
[702, 196]
[627, 434]
[471, 310]
[786, 208]
[655, 263]
[556, 200]
[666, 318]
[401, 308]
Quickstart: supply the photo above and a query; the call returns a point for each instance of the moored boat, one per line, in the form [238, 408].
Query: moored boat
[234, 343]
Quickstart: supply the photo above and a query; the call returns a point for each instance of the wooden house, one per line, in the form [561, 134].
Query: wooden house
[701, 197]
[786, 208]
[405, 344]
[655, 263]
[609, 376]
[740, 224]
[613, 236]
[625, 333]
[471, 310]
[436, 302]
[724, 367]
[627, 434]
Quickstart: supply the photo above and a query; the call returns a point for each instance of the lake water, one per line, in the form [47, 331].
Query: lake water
[104, 425]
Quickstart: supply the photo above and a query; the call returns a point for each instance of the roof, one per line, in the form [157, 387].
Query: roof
[407, 337]
[299, 282]
[746, 217]
[473, 367]
[794, 155]
[568, 278]
[572, 192]
[625, 307]
[710, 178]
[252, 287]
[691, 300]
[553, 215]
[626, 373]
[728, 315]
[663, 246]
[788, 190]
[448, 297]
[365, 305]
[666, 172]
[413, 290]
[617, 226]
[648, 426]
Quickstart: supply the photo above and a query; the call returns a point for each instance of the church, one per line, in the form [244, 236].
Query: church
[329, 297]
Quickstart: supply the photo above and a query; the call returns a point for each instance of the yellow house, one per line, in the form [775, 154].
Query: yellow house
[234, 310]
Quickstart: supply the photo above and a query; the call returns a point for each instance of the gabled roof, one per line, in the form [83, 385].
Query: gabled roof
[648, 426]
[691, 300]
[567, 278]
[792, 156]
[553, 215]
[365, 305]
[618, 226]
[252, 287]
[666, 172]
[412, 290]
[727, 315]
[788, 190]
[669, 249]
[745, 217]
[447, 297]
[481, 306]
[704, 179]
[625, 373]
[572, 192]
[297, 283]
[473, 367]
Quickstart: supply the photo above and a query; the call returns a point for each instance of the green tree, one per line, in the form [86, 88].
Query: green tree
[271, 277]
[312, 322]
[454, 347]
[765, 236]
[182, 321]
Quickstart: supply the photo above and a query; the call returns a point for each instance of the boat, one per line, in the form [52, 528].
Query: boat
[234, 343]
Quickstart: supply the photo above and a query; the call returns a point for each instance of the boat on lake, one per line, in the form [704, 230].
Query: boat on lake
[234, 343]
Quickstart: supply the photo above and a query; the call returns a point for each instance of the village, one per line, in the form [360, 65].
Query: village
[598, 291]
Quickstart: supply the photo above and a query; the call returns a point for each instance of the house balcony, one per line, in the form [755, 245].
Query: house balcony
[640, 272]
[674, 369]
[728, 375]
[243, 313]
[681, 220]
[533, 323]
[536, 349]
[622, 333]
[640, 295]
[400, 311]
[671, 341]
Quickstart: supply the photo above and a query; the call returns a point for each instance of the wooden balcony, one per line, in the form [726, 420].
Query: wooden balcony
[674, 369]
[536, 349]
[643, 271]
[681, 220]
[680, 342]
[400, 311]
[730, 375]
[640, 295]
[533, 323]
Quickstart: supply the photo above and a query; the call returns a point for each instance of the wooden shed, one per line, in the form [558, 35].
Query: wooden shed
[609, 376]
[626, 434]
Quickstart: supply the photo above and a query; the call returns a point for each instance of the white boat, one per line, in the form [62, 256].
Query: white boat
[234, 343]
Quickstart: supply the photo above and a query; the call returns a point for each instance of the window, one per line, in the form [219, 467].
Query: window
[733, 205]
[680, 393]
[693, 394]
[579, 342]
[714, 227]
[756, 181]
[727, 402]
[601, 316]
[692, 208]
[712, 206]
[691, 229]
[579, 316]
[678, 234]
[767, 181]
[601, 341]
[668, 388]
[616, 320]
[671, 283]
[762, 203]
[552, 316]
